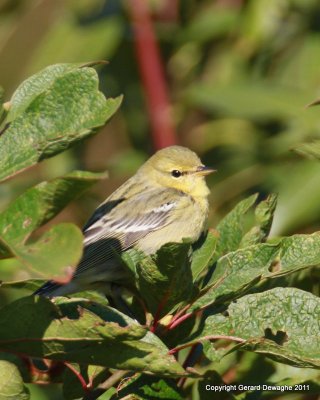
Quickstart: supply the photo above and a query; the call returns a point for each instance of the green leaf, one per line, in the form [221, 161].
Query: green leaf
[212, 354]
[236, 272]
[231, 229]
[30, 284]
[231, 233]
[34, 208]
[149, 387]
[282, 323]
[11, 383]
[72, 388]
[50, 112]
[203, 255]
[57, 248]
[82, 331]
[34, 86]
[42, 257]
[39, 204]
[309, 150]
[165, 279]
[108, 394]
[297, 252]
[20, 363]
[264, 213]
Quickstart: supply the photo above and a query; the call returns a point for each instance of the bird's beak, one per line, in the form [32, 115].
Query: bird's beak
[203, 170]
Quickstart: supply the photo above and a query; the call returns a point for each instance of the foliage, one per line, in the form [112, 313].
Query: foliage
[239, 75]
[211, 296]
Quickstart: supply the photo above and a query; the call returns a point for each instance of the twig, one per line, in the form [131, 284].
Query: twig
[158, 312]
[78, 375]
[178, 321]
[104, 386]
[179, 313]
[112, 380]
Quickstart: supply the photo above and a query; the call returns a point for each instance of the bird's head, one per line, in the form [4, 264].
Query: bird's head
[179, 168]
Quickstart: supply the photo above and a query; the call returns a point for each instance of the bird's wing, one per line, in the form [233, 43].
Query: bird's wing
[120, 228]
[104, 208]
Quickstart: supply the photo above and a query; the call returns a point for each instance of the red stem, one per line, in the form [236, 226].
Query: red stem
[78, 375]
[179, 320]
[152, 74]
[179, 313]
[158, 312]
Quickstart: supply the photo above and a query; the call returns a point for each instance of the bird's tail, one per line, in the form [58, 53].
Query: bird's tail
[53, 289]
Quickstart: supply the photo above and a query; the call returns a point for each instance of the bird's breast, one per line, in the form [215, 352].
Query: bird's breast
[187, 222]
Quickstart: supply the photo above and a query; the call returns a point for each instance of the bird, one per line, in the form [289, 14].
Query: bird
[165, 201]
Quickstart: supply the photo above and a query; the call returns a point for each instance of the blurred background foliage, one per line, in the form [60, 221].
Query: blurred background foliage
[239, 74]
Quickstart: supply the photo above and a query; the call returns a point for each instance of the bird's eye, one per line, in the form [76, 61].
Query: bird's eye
[175, 173]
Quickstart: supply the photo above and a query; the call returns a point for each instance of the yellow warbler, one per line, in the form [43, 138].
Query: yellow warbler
[165, 201]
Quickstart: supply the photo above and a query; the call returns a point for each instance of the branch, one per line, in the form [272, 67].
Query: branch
[112, 380]
[152, 74]
[104, 386]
